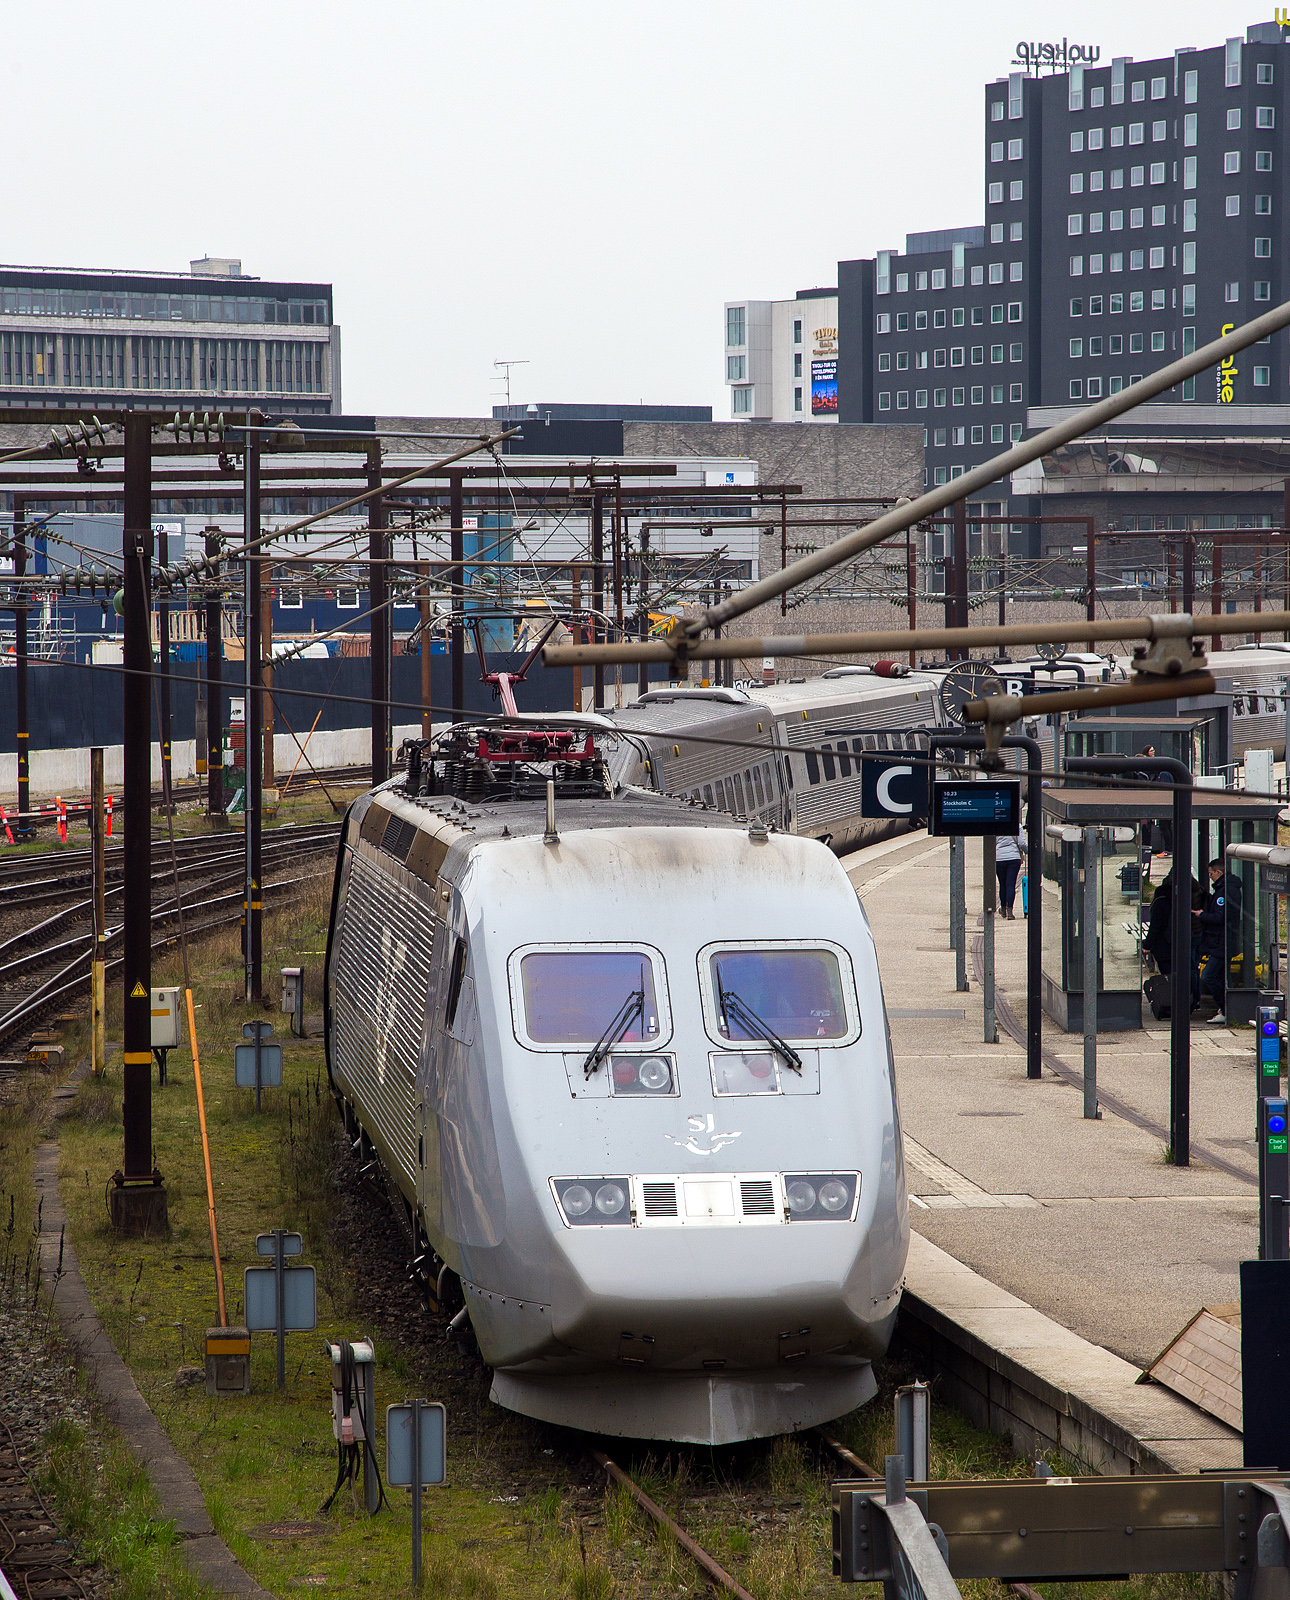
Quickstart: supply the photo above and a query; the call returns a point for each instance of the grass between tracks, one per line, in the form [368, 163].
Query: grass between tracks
[525, 1514]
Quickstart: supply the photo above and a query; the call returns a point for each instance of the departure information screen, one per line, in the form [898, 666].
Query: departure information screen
[976, 809]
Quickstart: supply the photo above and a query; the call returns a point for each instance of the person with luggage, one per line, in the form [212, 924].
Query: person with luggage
[1158, 942]
[1008, 851]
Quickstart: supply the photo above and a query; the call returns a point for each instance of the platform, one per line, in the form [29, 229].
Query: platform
[1083, 1222]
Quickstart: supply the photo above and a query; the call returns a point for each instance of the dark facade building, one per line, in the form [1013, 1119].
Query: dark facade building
[1133, 212]
[172, 341]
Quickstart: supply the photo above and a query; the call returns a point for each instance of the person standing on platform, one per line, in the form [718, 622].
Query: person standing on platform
[1008, 851]
[1220, 935]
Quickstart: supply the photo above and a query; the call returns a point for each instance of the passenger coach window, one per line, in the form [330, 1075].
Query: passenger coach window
[575, 996]
[455, 977]
[797, 992]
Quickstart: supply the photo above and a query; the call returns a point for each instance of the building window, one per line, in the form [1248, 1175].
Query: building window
[1114, 385]
[884, 399]
[884, 361]
[1157, 88]
[1095, 143]
[1135, 217]
[996, 433]
[1189, 299]
[1263, 205]
[1189, 216]
[1157, 258]
[978, 316]
[1015, 432]
[1094, 388]
[938, 359]
[940, 475]
[956, 356]
[1135, 344]
[1232, 64]
[996, 194]
[1014, 310]
[1157, 216]
[902, 322]
[1115, 304]
[1233, 205]
[920, 358]
[902, 399]
[1014, 149]
[1095, 222]
[1014, 352]
[1117, 138]
[1117, 83]
[1077, 142]
[1096, 98]
[1095, 263]
[1095, 305]
[939, 397]
[978, 395]
[978, 354]
[938, 277]
[1014, 271]
[737, 369]
[996, 151]
[1135, 300]
[996, 272]
[902, 283]
[1189, 257]
[797, 399]
[1077, 349]
[938, 438]
[957, 318]
[1017, 189]
[1263, 247]
[1077, 266]
[1139, 90]
[884, 322]
[996, 111]
[347, 599]
[1077, 388]
[1262, 377]
[1135, 133]
[1262, 289]
[996, 233]
[920, 321]
[1136, 177]
[1015, 232]
[978, 434]
[1014, 394]
[1189, 172]
[1189, 130]
[797, 363]
[1263, 72]
[938, 318]
[920, 399]
[996, 354]
[1232, 293]
[902, 361]
[735, 325]
[1157, 132]
[1231, 161]
[741, 401]
[1263, 161]
[1157, 341]
[1075, 223]
[1135, 260]
[1264, 117]
[1115, 344]
[920, 280]
[1157, 172]
[1190, 81]
[1077, 308]
[996, 394]
[1157, 299]
[797, 330]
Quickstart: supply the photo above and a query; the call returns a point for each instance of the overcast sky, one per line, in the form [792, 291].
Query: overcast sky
[578, 184]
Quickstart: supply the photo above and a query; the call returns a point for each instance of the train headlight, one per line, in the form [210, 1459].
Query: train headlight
[643, 1074]
[821, 1196]
[655, 1074]
[593, 1202]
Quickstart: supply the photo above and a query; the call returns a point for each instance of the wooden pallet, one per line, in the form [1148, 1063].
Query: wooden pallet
[1203, 1364]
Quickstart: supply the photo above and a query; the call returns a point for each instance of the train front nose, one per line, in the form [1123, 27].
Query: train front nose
[747, 1297]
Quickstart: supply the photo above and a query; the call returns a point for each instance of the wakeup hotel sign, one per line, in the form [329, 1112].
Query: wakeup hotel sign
[1056, 57]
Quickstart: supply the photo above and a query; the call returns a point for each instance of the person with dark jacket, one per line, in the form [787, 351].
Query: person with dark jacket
[1220, 935]
[1158, 942]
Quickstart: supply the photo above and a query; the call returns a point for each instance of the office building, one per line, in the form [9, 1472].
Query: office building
[170, 341]
[1132, 213]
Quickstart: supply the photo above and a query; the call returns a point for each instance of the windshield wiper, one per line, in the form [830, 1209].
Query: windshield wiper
[627, 1013]
[731, 1006]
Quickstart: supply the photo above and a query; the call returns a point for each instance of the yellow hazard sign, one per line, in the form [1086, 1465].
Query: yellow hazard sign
[138, 992]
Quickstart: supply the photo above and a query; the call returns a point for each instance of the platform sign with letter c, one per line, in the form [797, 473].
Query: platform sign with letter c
[893, 787]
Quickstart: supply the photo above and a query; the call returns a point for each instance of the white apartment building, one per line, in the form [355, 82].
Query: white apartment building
[782, 358]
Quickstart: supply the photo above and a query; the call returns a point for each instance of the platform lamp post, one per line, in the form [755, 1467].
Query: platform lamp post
[20, 667]
[251, 631]
[136, 1199]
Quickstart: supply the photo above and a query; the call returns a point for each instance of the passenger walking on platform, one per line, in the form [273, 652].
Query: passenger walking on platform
[1008, 851]
[1220, 935]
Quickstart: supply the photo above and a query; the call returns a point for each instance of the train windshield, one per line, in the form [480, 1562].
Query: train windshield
[572, 996]
[798, 993]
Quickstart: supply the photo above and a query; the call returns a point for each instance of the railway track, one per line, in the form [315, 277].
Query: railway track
[36, 1562]
[43, 964]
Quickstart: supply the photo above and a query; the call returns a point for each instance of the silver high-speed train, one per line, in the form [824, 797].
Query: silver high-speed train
[624, 1059]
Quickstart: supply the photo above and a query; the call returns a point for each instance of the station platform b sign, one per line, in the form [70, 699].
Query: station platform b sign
[893, 787]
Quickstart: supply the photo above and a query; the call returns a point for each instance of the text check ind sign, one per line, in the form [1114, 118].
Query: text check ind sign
[976, 809]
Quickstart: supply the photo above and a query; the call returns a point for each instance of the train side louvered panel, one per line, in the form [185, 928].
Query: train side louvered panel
[382, 982]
